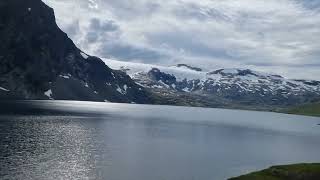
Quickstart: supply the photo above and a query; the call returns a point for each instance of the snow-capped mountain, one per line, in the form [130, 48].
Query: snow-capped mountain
[222, 87]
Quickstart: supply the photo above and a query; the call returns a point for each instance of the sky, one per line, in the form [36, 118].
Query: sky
[276, 36]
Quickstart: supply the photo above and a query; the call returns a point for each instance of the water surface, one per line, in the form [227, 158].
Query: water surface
[85, 140]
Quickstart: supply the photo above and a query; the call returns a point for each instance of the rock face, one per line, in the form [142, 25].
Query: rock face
[231, 88]
[39, 61]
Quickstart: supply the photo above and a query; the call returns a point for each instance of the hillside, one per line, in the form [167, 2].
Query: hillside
[309, 110]
[289, 172]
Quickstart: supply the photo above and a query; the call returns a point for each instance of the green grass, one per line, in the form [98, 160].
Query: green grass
[288, 172]
[309, 110]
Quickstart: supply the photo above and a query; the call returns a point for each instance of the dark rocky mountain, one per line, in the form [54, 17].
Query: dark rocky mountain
[39, 61]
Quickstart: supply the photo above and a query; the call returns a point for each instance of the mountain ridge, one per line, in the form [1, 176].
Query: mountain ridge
[230, 88]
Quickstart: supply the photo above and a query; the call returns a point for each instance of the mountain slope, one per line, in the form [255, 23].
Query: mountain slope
[287, 172]
[39, 61]
[231, 88]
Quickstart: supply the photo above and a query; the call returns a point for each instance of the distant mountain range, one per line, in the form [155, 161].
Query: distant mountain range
[39, 61]
[233, 88]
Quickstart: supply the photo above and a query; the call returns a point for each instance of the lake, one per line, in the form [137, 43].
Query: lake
[89, 140]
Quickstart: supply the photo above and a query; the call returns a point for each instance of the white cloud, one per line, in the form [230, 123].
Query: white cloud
[270, 35]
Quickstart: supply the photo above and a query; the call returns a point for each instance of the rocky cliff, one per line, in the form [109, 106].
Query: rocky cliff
[39, 61]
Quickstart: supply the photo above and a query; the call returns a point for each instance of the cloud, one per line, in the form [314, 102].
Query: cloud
[106, 26]
[128, 52]
[281, 36]
[100, 30]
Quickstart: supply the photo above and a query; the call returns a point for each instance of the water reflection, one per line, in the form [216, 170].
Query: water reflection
[122, 142]
[37, 147]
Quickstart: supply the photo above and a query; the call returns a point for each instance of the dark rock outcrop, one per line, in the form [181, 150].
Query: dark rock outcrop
[190, 67]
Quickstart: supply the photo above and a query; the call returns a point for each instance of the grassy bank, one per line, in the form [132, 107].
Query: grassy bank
[309, 110]
[287, 172]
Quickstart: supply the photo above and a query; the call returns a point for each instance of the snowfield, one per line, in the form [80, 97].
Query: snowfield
[132, 69]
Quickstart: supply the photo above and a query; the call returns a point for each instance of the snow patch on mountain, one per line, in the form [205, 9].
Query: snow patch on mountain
[65, 76]
[4, 89]
[84, 55]
[48, 94]
[122, 91]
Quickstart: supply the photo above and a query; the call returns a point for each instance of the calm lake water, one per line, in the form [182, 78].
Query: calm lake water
[86, 140]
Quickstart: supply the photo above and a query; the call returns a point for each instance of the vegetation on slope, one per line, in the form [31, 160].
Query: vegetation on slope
[309, 110]
[288, 172]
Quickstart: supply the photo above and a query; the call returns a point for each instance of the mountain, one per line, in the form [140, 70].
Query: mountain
[39, 61]
[232, 88]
